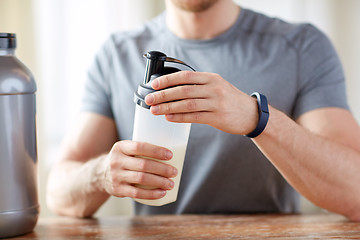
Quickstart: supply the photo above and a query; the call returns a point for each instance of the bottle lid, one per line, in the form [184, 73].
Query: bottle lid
[155, 68]
[145, 89]
[7, 40]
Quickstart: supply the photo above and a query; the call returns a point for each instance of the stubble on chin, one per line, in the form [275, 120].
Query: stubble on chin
[194, 5]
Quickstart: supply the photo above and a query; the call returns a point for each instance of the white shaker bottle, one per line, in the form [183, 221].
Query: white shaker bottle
[156, 129]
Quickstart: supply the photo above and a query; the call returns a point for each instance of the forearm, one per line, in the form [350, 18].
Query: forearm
[322, 170]
[74, 188]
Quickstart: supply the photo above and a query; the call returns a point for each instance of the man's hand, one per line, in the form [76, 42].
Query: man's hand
[123, 170]
[203, 98]
[95, 165]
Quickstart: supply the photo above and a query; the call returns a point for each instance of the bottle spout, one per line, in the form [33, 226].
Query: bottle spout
[174, 60]
[155, 64]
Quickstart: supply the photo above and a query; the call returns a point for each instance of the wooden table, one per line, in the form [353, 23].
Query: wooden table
[322, 226]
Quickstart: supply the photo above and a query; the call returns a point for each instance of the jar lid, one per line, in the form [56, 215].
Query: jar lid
[7, 40]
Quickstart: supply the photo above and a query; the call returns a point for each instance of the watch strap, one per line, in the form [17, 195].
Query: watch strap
[263, 110]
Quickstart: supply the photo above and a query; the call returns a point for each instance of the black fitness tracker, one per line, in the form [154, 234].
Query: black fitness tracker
[263, 110]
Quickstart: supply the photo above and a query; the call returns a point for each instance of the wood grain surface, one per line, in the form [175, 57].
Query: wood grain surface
[320, 226]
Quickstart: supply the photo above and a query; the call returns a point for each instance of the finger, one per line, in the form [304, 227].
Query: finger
[176, 93]
[180, 78]
[147, 179]
[150, 166]
[195, 117]
[127, 190]
[184, 106]
[133, 148]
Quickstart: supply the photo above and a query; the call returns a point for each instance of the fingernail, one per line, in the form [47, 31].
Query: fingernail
[149, 99]
[162, 193]
[171, 185]
[169, 116]
[155, 83]
[175, 172]
[168, 154]
[155, 109]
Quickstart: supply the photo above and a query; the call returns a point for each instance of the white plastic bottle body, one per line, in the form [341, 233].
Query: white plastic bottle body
[158, 131]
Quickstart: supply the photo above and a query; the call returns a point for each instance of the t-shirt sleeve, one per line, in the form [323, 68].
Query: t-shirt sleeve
[321, 76]
[96, 93]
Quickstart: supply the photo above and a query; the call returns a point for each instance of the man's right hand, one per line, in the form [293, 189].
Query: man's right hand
[128, 165]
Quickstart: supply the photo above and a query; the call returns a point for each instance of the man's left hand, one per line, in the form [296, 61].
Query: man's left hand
[207, 98]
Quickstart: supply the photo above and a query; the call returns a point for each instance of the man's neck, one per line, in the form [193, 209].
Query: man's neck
[202, 25]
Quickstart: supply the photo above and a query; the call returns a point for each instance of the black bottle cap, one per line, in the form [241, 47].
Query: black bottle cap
[154, 68]
[7, 40]
[145, 89]
[155, 55]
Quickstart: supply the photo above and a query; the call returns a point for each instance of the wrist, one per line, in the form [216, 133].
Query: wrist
[98, 178]
[252, 116]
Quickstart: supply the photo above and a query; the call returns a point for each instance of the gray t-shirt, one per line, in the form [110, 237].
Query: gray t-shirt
[294, 65]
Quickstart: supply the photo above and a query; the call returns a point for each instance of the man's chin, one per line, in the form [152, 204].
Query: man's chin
[194, 5]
